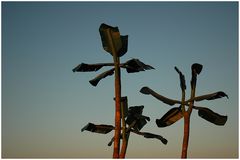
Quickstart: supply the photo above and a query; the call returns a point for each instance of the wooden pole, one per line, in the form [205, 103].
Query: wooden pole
[186, 135]
[117, 107]
[116, 61]
[187, 115]
[108, 33]
[125, 135]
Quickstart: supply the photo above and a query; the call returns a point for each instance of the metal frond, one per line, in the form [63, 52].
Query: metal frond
[95, 81]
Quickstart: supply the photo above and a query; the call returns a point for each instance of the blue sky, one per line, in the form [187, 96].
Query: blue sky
[45, 104]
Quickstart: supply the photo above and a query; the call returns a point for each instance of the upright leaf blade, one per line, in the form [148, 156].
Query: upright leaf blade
[197, 68]
[111, 39]
[182, 79]
[172, 116]
[211, 116]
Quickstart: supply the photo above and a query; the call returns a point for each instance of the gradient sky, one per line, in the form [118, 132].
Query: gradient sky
[45, 104]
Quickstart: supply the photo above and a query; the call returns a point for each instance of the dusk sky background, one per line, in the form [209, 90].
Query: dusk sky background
[45, 104]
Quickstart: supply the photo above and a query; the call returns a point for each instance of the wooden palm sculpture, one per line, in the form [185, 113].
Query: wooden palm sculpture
[177, 113]
[135, 121]
[116, 45]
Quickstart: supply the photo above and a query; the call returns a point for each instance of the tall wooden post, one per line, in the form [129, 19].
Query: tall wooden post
[125, 136]
[116, 61]
[187, 114]
[117, 107]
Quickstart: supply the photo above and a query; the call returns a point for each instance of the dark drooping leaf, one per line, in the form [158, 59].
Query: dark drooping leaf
[141, 121]
[140, 124]
[135, 65]
[130, 119]
[102, 128]
[146, 90]
[172, 116]
[151, 135]
[112, 41]
[95, 81]
[138, 116]
[211, 96]
[197, 67]
[135, 110]
[182, 79]
[135, 114]
[211, 116]
[83, 67]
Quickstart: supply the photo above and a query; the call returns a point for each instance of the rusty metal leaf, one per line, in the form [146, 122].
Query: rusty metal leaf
[135, 114]
[150, 135]
[83, 67]
[111, 39]
[102, 128]
[140, 124]
[211, 116]
[211, 96]
[147, 91]
[182, 79]
[135, 109]
[95, 81]
[135, 65]
[172, 116]
[197, 67]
